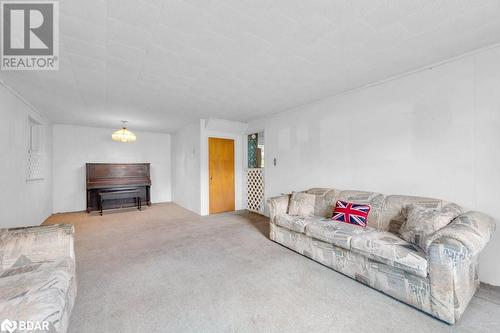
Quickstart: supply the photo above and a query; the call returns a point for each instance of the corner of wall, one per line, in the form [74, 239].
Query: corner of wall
[15, 113]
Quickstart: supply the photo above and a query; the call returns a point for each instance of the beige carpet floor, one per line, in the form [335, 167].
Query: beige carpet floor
[166, 269]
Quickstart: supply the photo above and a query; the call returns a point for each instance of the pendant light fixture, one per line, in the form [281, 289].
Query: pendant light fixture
[123, 134]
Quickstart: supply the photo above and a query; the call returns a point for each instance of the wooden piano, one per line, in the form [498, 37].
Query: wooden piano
[112, 177]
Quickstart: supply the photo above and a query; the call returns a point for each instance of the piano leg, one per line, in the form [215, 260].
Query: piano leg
[148, 196]
[88, 202]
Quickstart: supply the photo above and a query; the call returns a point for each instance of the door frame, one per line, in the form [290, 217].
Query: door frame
[238, 168]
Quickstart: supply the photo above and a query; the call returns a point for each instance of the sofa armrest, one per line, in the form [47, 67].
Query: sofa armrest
[277, 206]
[453, 263]
[38, 244]
[472, 229]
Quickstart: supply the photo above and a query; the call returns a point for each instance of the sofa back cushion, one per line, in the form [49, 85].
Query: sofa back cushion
[393, 215]
[373, 199]
[386, 210]
[326, 198]
[301, 204]
[325, 201]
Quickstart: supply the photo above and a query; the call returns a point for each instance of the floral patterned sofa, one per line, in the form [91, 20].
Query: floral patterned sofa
[37, 276]
[439, 280]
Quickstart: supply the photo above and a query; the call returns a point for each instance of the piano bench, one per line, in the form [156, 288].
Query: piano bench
[112, 195]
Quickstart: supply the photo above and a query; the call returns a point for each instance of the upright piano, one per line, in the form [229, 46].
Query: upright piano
[102, 177]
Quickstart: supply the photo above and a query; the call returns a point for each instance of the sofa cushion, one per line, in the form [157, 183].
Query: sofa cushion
[302, 204]
[333, 232]
[296, 223]
[422, 222]
[42, 294]
[387, 248]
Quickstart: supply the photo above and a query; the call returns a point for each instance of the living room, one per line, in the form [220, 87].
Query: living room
[250, 166]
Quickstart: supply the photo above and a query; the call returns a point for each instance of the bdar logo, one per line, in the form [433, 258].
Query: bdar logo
[8, 326]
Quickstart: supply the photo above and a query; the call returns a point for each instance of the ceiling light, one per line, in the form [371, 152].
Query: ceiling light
[123, 134]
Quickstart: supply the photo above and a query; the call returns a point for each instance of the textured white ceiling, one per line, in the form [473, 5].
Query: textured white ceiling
[163, 63]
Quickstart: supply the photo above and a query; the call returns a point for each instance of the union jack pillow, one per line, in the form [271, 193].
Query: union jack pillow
[352, 213]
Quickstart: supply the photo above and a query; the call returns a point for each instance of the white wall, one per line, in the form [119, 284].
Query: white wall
[22, 202]
[186, 167]
[432, 133]
[75, 145]
[190, 160]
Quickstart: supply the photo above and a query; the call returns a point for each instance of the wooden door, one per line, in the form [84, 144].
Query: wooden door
[221, 174]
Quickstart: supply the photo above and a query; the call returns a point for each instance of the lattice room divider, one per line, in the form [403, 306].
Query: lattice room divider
[255, 190]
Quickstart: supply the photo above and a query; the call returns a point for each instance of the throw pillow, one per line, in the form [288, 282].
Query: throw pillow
[352, 213]
[422, 222]
[302, 204]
